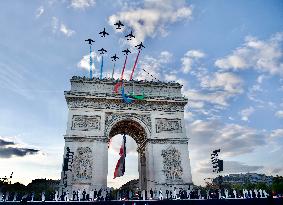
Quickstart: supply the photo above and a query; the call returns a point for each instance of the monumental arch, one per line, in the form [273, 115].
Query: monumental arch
[156, 123]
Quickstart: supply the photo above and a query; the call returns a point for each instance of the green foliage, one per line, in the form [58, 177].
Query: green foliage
[37, 186]
[277, 184]
[263, 186]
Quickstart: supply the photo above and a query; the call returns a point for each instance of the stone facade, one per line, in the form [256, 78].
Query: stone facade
[156, 123]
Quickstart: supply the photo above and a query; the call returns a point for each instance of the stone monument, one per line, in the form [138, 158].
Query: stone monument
[156, 123]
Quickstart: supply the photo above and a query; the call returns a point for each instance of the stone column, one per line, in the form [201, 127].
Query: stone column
[168, 164]
[142, 170]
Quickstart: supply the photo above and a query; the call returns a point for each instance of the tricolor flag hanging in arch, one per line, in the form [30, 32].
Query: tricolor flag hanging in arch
[120, 166]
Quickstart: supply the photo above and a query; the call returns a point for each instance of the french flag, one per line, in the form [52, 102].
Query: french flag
[120, 166]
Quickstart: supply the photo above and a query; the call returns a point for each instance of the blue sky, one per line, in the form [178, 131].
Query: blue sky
[228, 56]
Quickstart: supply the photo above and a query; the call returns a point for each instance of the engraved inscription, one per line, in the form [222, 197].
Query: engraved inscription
[85, 122]
[168, 125]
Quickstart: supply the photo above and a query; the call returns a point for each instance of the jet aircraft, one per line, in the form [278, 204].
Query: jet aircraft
[130, 36]
[127, 51]
[118, 24]
[102, 51]
[114, 58]
[103, 33]
[140, 46]
[89, 41]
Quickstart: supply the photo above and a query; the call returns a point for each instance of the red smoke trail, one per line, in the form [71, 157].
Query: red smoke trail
[131, 77]
[116, 87]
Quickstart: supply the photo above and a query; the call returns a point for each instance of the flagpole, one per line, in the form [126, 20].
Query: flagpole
[124, 138]
[125, 153]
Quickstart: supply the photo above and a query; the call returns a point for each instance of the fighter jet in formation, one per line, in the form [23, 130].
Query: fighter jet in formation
[103, 33]
[102, 51]
[118, 24]
[130, 36]
[89, 41]
[140, 46]
[127, 51]
[114, 58]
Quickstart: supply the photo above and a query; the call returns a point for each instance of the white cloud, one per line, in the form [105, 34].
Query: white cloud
[84, 62]
[261, 78]
[152, 18]
[54, 24]
[170, 77]
[66, 31]
[188, 115]
[275, 142]
[217, 90]
[277, 133]
[39, 11]
[82, 4]
[246, 113]
[252, 94]
[116, 142]
[219, 97]
[279, 114]
[190, 58]
[61, 27]
[277, 170]
[30, 166]
[264, 56]
[232, 61]
[153, 66]
[224, 81]
[233, 139]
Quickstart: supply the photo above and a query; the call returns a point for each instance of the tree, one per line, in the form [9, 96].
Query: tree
[277, 184]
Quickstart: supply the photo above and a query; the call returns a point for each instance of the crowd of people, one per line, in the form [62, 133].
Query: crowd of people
[108, 194]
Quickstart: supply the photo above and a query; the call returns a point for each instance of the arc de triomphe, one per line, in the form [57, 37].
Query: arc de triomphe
[156, 123]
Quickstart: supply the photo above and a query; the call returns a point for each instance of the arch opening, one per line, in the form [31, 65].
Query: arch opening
[131, 162]
[135, 159]
[129, 127]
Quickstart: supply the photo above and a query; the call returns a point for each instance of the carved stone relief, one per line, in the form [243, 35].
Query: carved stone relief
[83, 164]
[168, 141]
[74, 102]
[172, 167]
[168, 125]
[107, 86]
[85, 122]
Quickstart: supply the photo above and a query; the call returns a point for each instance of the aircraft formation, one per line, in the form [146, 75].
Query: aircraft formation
[129, 37]
[128, 98]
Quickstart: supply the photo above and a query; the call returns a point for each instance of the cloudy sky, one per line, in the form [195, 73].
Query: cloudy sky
[228, 56]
